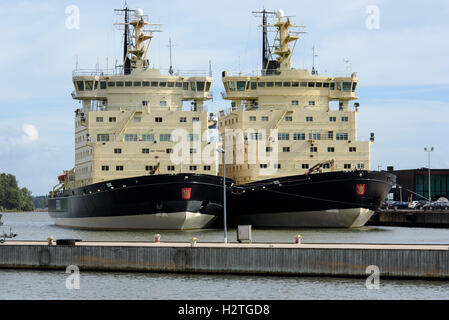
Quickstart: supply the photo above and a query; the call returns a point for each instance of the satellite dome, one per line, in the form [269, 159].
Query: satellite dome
[138, 13]
[280, 13]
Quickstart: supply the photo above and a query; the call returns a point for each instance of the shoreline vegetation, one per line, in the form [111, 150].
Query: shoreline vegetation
[16, 199]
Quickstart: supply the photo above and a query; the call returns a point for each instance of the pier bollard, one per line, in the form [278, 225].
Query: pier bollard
[193, 241]
[298, 239]
[157, 238]
[50, 241]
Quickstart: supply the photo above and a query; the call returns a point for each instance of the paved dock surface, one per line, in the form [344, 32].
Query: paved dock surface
[245, 245]
[307, 259]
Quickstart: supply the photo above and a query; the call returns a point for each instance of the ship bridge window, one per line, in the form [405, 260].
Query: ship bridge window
[89, 85]
[119, 168]
[253, 85]
[344, 119]
[252, 118]
[314, 136]
[261, 84]
[270, 84]
[111, 84]
[200, 86]
[162, 84]
[163, 103]
[346, 86]
[193, 137]
[241, 85]
[148, 137]
[347, 166]
[283, 136]
[342, 136]
[154, 83]
[208, 84]
[309, 119]
[288, 119]
[178, 84]
[193, 86]
[165, 137]
[326, 85]
[105, 168]
[171, 84]
[95, 85]
[99, 119]
[185, 86]
[183, 119]
[158, 119]
[305, 166]
[146, 83]
[339, 85]
[319, 84]
[311, 103]
[102, 137]
[80, 85]
[137, 83]
[354, 85]
[171, 168]
[303, 84]
[332, 119]
[311, 84]
[102, 85]
[299, 136]
[128, 83]
[287, 84]
[131, 137]
[264, 118]
[313, 149]
[119, 84]
[332, 85]
[330, 149]
[330, 135]
[112, 119]
[278, 84]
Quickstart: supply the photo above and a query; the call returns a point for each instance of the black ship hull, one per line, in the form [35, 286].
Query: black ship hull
[334, 199]
[177, 202]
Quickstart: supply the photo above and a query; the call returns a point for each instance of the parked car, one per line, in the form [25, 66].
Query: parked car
[436, 205]
[400, 205]
[418, 204]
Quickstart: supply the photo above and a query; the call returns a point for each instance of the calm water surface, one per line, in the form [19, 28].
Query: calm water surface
[27, 284]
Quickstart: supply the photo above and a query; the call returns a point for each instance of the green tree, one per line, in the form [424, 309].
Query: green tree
[12, 197]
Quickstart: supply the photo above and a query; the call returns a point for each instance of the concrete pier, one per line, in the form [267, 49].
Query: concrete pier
[339, 260]
[410, 218]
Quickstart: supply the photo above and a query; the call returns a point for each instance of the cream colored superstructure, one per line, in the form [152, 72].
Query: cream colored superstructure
[298, 105]
[123, 128]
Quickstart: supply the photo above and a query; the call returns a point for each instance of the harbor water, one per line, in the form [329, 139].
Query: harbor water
[27, 284]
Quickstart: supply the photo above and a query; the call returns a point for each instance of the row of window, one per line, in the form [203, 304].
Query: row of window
[290, 119]
[312, 149]
[306, 166]
[345, 86]
[151, 168]
[89, 85]
[104, 137]
[301, 136]
[139, 119]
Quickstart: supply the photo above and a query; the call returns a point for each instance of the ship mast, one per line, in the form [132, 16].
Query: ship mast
[281, 44]
[135, 48]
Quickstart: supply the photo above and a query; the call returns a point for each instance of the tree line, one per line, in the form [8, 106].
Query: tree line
[13, 198]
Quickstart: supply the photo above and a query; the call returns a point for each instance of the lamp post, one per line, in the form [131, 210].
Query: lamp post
[429, 151]
[222, 151]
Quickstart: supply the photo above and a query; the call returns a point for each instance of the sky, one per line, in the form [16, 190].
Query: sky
[399, 50]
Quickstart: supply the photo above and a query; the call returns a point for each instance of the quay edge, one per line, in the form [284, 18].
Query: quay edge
[334, 260]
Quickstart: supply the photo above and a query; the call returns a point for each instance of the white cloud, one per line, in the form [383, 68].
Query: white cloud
[31, 133]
